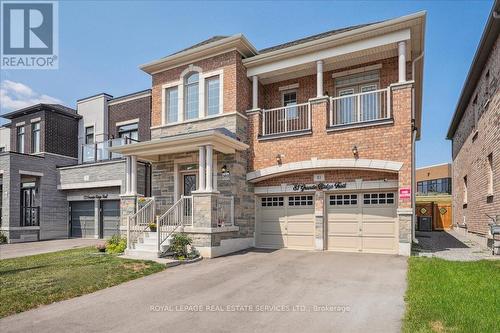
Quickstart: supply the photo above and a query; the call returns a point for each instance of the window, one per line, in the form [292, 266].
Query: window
[442, 185]
[346, 107]
[191, 100]
[20, 139]
[130, 131]
[465, 190]
[35, 137]
[378, 198]
[272, 201]
[2, 149]
[343, 199]
[212, 91]
[303, 200]
[490, 174]
[290, 99]
[89, 135]
[172, 108]
[369, 103]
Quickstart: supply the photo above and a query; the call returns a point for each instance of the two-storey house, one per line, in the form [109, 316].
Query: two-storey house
[305, 145]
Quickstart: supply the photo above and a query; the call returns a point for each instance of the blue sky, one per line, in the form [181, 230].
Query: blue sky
[102, 43]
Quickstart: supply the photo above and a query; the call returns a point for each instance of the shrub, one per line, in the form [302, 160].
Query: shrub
[3, 238]
[179, 245]
[152, 226]
[116, 244]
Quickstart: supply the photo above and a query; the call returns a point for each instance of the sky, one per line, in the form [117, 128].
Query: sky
[102, 43]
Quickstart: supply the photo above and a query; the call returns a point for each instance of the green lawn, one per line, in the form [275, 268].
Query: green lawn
[28, 282]
[452, 296]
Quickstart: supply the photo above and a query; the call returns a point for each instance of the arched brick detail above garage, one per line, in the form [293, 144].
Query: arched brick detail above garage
[323, 165]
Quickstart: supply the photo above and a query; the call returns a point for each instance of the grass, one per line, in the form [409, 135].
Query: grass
[452, 296]
[28, 282]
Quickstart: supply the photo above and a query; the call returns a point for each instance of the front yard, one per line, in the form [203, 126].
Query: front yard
[452, 296]
[28, 282]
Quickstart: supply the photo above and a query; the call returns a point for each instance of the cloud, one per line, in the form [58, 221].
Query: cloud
[16, 95]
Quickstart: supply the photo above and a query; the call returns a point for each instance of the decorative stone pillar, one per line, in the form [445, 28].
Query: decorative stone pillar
[204, 210]
[201, 168]
[319, 78]
[255, 92]
[133, 175]
[405, 217]
[402, 61]
[209, 169]
[319, 220]
[128, 206]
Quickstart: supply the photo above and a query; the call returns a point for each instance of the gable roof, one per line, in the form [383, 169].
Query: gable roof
[57, 108]
[488, 39]
[314, 37]
[204, 42]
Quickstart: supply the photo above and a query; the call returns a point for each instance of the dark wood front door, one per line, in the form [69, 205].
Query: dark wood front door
[189, 184]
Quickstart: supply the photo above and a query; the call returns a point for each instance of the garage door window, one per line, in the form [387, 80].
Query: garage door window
[272, 201]
[378, 198]
[343, 200]
[303, 200]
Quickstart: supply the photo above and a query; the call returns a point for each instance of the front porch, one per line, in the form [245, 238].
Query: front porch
[198, 188]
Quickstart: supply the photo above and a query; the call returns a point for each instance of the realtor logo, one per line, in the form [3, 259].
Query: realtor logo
[29, 35]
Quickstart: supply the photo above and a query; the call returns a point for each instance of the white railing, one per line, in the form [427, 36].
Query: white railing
[288, 119]
[224, 212]
[359, 108]
[138, 223]
[179, 214]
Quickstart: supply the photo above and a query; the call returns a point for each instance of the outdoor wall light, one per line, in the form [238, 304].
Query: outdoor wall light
[355, 151]
[225, 172]
[279, 159]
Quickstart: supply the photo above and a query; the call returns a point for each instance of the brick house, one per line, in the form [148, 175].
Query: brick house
[42, 138]
[305, 145]
[475, 135]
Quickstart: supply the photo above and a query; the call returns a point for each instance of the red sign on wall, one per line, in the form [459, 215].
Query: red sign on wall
[405, 193]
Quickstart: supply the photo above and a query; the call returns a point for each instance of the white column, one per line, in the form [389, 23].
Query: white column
[127, 175]
[133, 174]
[255, 92]
[209, 168]
[201, 168]
[319, 78]
[402, 61]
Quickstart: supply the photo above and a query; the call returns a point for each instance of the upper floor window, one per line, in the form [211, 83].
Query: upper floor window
[212, 91]
[442, 185]
[490, 174]
[290, 99]
[35, 137]
[20, 139]
[130, 131]
[171, 104]
[465, 190]
[89, 135]
[191, 96]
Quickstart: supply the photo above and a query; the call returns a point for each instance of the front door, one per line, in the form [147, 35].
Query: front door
[29, 209]
[188, 184]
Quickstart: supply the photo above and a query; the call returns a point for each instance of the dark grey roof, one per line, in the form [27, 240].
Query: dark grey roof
[488, 39]
[58, 108]
[314, 37]
[206, 41]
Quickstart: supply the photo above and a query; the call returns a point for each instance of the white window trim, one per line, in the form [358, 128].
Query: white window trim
[357, 70]
[202, 113]
[289, 87]
[85, 126]
[127, 122]
[283, 92]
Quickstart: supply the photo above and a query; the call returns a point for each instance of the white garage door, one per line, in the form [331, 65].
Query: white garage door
[362, 222]
[285, 221]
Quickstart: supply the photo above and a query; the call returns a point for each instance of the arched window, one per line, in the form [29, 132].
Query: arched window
[191, 97]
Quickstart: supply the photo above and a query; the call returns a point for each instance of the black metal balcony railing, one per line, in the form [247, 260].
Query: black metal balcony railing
[30, 216]
[99, 151]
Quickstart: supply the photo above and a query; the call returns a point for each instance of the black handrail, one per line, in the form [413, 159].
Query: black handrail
[30, 216]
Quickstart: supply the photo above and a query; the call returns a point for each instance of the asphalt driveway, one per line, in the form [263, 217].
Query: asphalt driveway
[280, 291]
[31, 248]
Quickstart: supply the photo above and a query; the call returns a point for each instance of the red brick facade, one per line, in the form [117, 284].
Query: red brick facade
[476, 137]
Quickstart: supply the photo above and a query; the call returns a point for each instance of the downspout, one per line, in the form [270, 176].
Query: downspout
[413, 157]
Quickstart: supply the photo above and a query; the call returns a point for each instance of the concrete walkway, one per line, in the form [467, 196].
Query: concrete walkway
[280, 291]
[31, 248]
[450, 245]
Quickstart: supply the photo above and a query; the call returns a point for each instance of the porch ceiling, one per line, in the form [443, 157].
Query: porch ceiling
[150, 150]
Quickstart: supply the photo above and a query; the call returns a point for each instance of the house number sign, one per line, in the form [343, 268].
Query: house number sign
[319, 186]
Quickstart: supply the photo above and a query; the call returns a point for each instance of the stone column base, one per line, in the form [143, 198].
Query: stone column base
[405, 217]
[128, 206]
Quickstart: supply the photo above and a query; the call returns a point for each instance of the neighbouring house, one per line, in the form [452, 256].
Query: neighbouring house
[42, 138]
[305, 145]
[433, 199]
[57, 176]
[475, 135]
[4, 138]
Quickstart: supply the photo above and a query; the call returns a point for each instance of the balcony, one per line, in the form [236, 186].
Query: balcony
[290, 119]
[99, 152]
[360, 109]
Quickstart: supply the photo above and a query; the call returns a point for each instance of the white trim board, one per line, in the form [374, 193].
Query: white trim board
[31, 173]
[76, 186]
[127, 122]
